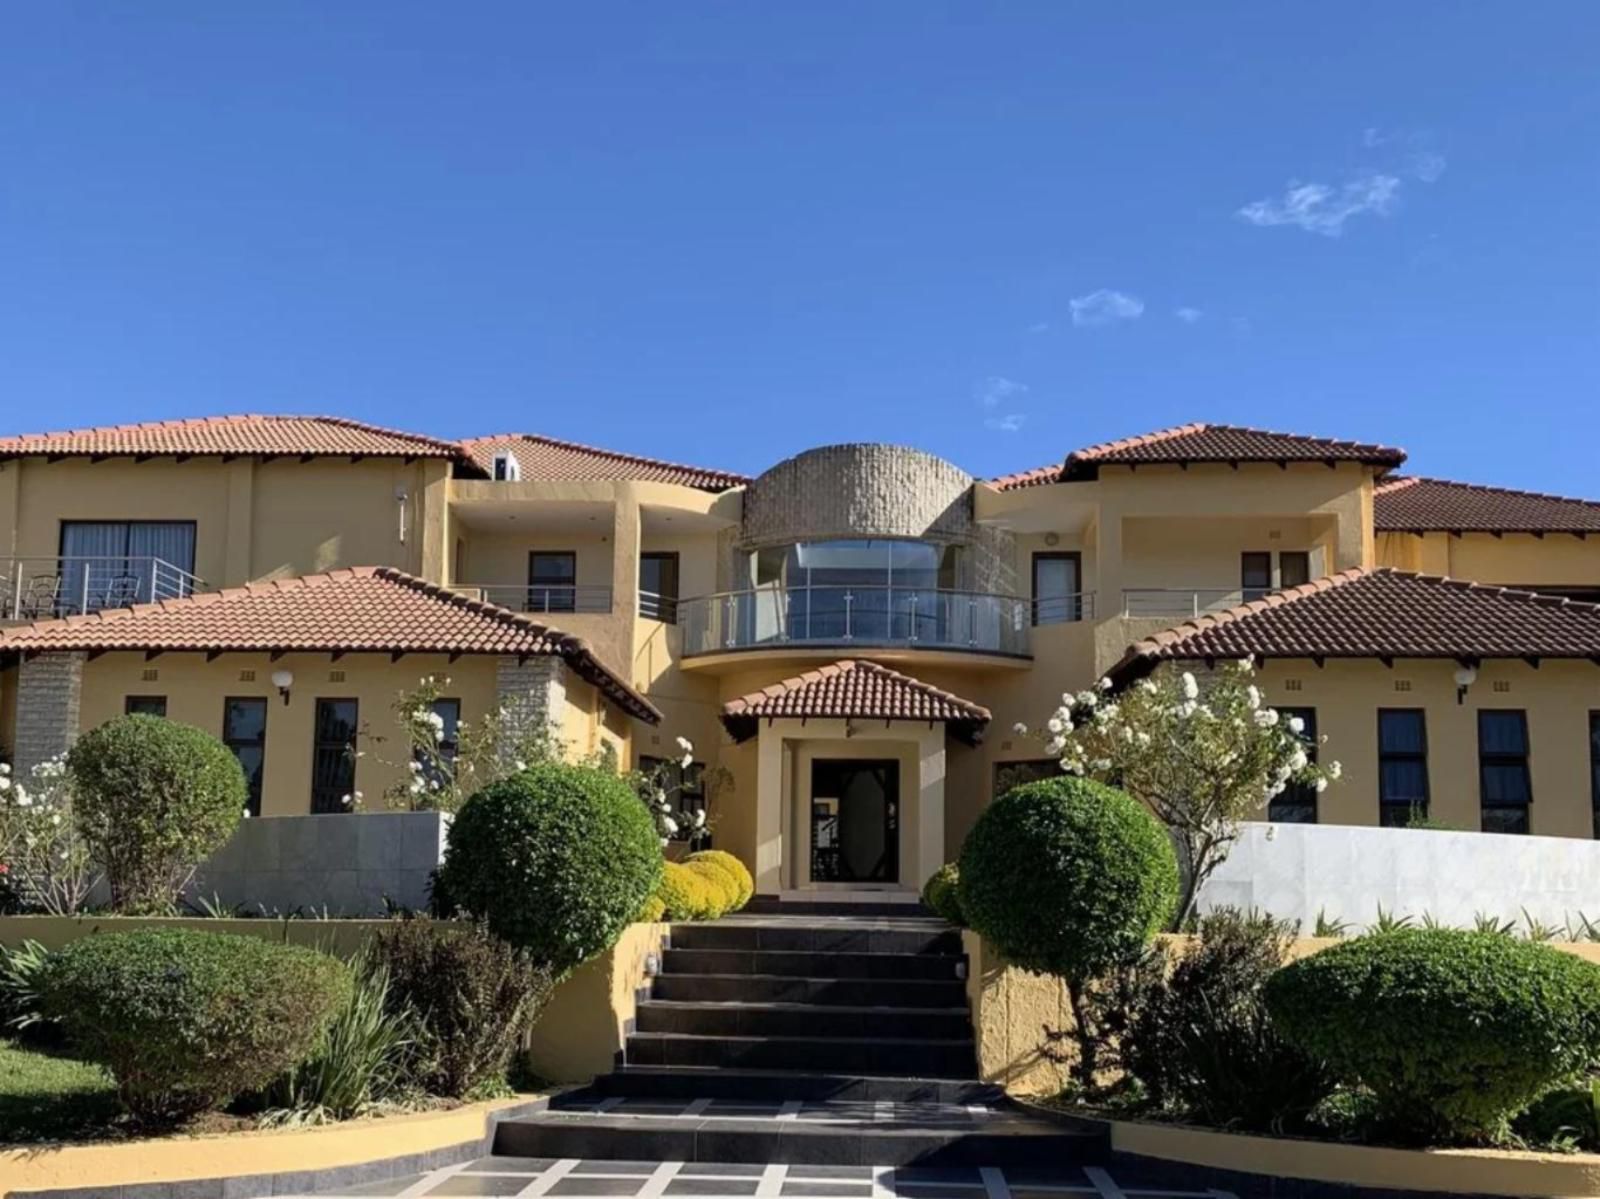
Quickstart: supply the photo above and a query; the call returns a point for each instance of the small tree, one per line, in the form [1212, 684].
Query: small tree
[155, 799]
[1202, 758]
[1072, 878]
[45, 861]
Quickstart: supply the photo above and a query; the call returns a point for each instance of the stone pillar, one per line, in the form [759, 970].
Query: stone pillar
[49, 688]
[533, 697]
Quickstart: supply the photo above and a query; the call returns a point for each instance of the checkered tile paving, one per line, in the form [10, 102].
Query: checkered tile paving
[521, 1176]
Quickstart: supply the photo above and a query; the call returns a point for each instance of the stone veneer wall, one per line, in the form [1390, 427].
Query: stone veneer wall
[49, 691]
[869, 490]
[532, 693]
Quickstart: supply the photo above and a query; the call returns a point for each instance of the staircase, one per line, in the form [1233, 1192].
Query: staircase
[815, 1033]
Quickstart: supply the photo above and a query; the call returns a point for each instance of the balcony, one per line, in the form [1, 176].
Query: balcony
[1182, 603]
[46, 588]
[779, 618]
[540, 598]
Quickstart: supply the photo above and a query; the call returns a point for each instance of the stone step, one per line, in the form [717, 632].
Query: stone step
[771, 905]
[888, 936]
[874, 1133]
[802, 1019]
[693, 1082]
[822, 992]
[924, 966]
[917, 1058]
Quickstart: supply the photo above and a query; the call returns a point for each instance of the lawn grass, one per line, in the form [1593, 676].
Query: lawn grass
[46, 1096]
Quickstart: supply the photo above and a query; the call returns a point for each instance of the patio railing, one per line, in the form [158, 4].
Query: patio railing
[45, 588]
[1179, 602]
[540, 597]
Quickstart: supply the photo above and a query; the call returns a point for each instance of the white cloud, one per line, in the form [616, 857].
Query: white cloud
[1011, 422]
[991, 392]
[1188, 315]
[1427, 165]
[1320, 208]
[1105, 307]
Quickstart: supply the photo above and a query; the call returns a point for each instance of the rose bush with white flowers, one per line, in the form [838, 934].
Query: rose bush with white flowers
[43, 854]
[1202, 757]
[663, 787]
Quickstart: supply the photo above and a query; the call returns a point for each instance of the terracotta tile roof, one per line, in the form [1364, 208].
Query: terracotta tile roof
[1418, 505]
[247, 434]
[1203, 442]
[852, 688]
[367, 609]
[546, 458]
[1381, 613]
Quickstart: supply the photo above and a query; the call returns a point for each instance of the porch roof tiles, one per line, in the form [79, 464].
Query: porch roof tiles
[552, 460]
[1383, 614]
[1418, 505]
[359, 610]
[852, 689]
[247, 434]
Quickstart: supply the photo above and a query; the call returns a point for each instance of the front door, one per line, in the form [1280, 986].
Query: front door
[855, 823]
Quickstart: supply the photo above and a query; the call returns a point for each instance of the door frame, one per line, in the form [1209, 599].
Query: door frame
[894, 818]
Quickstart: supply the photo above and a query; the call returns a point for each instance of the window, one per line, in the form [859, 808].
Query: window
[449, 743]
[1294, 568]
[1255, 574]
[1402, 766]
[1057, 587]
[333, 755]
[860, 589]
[244, 731]
[686, 787]
[114, 563]
[1298, 804]
[552, 581]
[1504, 785]
[1594, 768]
[658, 586]
[145, 705]
[506, 467]
[1030, 770]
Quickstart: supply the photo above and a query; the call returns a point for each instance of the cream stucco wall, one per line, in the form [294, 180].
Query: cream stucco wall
[1515, 559]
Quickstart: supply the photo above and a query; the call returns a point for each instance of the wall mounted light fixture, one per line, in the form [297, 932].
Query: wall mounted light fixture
[1465, 677]
[283, 680]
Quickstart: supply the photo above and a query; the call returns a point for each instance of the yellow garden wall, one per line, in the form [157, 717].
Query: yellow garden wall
[587, 1020]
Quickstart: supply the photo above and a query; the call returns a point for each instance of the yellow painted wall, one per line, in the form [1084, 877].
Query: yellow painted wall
[1516, 559]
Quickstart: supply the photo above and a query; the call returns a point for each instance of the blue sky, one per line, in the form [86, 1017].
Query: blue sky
[725, 232]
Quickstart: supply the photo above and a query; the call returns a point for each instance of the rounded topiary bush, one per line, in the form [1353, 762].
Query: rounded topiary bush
[183, 1020]
[688, 894]
[154, 798]
[1068, 877]
[744, 885]
[557, 858]
[941, 896]
[655, 908]
[1454, 1032]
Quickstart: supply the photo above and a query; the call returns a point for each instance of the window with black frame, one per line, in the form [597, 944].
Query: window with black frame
[1255, 574]
[1057, 587]
[114, 563]
[1505, 784]
[244, 731]
[443, 754]
[552, 581]
[333, 755]
[658, 586]
[1402, 766]
[145, 705]
[1298, 802]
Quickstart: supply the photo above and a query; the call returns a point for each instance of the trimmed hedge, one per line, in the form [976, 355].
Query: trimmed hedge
[941, 896]
[743, 885]
[1067, 876]
[689, 894]
[185, 1020]
[559, 859]
[154, 798]
[1454, 1032]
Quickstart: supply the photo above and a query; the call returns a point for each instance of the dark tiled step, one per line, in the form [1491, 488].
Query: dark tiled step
[914, 1058]
[852, 937]
[771, 905]
[812, 965]
[802, 1019]
[1009, 1143]
[703, 1082]
[771, 988]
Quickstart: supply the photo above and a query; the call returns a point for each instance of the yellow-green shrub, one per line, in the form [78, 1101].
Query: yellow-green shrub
[723, 887]
[654, 909]
[688, 894]
[744, 885]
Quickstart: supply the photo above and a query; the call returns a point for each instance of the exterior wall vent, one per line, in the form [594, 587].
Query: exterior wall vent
[506, 469]
[1293, 685]
[149, 674]
[1402, 684]
[1502, 686]
[247, 676]
[335, 676]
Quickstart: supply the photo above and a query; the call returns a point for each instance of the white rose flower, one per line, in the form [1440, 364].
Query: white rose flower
[1296, 725]
[5, 768]
[5, 783]
[1334, 770]
[1322, 785]
[1191, 689]
[1067, 701]
[687, 761]
[1252, 696]
[1054, 725]
[1297, 760]
[671, 825]
[685, 745]
[1020, 729]
[1087, 699]
[1266, 718]
[1104, 684]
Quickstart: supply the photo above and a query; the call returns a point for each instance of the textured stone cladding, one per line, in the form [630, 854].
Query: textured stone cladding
[49, 688]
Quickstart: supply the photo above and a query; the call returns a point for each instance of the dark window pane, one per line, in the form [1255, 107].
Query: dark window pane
[432, 761]
[145, 705]
[1403, 781]
[1057, 584]
[1294, 568]
[552, 581]
[244, 731]
[1502, 733]
[1401, 731]
[1506, 783]
[1255, 573]
[1298, 804]
[1505, 820]
[333, 762]
[1398, 815]
[658, 587]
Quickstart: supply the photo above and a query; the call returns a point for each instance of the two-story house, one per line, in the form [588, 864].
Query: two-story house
[847, 639]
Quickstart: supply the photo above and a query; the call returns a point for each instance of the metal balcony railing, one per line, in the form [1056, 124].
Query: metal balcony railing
[45, 588]
[540, 597]
[861, 617]
[1180, 602]
[1064, 609]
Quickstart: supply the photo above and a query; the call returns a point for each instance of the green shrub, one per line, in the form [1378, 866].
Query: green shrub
[155, 799]
[1200, 1039]
[941, 895]
[558, 859]
[472, 995]
[184, 1021]
[1454, 1032]
[21, 967]
[362, 1058]
[743, 885]
[688, 894]
[1068, 877]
